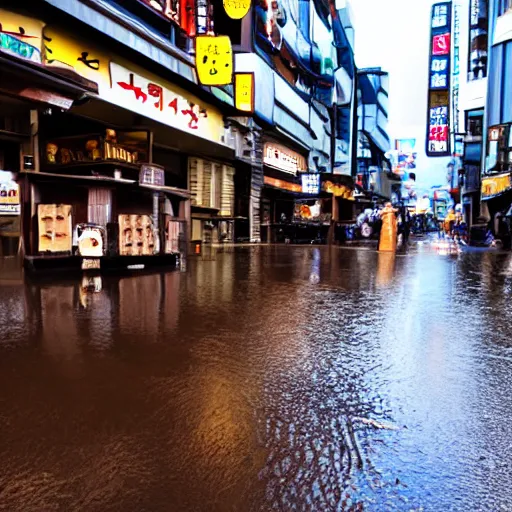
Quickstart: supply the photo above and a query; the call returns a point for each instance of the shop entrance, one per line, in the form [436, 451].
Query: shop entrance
[10, 207]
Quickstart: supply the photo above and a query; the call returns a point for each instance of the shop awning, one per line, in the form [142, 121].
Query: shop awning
[37, 83]
[106, 180]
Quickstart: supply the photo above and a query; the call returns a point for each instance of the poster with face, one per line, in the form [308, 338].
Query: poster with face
[54, 222]
[136, 235]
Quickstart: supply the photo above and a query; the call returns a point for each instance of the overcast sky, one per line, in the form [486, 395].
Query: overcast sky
[394, 35]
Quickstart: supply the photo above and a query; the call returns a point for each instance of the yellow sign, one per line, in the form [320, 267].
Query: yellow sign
[20, 36]
[285, 185]
[214, 60]
[237, 9]
[495, 185]
[62, 50]
[244, 92]
[338, 190]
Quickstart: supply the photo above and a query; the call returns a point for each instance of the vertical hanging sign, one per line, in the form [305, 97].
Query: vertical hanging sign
[438, 114]
[456, 67]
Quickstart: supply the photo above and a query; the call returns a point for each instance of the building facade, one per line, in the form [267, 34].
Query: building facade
[112, 152]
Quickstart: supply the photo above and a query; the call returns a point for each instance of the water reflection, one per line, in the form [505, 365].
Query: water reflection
[265, 378]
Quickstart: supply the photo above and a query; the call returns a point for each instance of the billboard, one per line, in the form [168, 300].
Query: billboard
[438, 114]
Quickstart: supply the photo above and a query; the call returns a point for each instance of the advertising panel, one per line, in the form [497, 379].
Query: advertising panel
[54, 223]
[284, 159]
[310, 211]
[136, 236]
[310, 183]
[495, 185]
[9, 195]
[438, 114]
[91, 240]
[214, 60]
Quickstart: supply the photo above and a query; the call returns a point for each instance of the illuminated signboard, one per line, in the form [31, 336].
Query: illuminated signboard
[152, 175]
[20, 36]
[9, 195]
[214, 60]
[236, 9]
[494, 185]
[438, 115]
[284, 185]
[244, 92]
[310, 183]
[170, 9]
[283, 159]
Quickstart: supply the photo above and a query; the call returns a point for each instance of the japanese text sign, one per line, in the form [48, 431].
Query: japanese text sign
[244, 92]
[62, 50]
[214, 60]
[438, 118]
[20, 36]
[162, 102]
[237, 9]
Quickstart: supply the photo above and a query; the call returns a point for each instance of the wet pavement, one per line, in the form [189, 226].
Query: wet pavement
[264, 378]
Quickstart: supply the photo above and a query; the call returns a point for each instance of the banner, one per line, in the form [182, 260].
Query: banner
[495, 185]
[438, 116]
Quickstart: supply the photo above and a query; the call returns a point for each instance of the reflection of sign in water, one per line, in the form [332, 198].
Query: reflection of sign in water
[20, 36]
[236, 9]
[152, 175]
[310, 183]
[284, 159]
[9, 195]
[492, 186]
[214, 60]
[54, 221]
[244, 91]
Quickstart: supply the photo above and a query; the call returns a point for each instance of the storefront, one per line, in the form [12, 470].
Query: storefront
[282, 187]
[212, 187]
[96, 191]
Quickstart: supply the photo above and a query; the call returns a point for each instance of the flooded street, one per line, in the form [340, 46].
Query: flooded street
[263, 378]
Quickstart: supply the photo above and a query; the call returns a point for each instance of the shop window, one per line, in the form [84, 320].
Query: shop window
[478, 39]
[495, 82]
[212, 186]
[475, 123]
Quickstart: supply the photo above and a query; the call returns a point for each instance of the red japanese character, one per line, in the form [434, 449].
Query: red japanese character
[157, 92]
[195, 113]
[174, 104]
[131, 87]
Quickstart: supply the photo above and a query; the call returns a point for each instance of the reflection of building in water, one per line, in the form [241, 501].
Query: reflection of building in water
[386, 268]
[171, 311]
[139, 304]
[59, 322]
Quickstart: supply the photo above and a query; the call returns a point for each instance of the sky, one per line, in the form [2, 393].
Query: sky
[395, 37]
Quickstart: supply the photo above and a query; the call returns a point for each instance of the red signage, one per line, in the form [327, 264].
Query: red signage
[441, 44]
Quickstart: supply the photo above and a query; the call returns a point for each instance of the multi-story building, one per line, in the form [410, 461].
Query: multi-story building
[111, 149]
[374, 173]
[496, 184]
